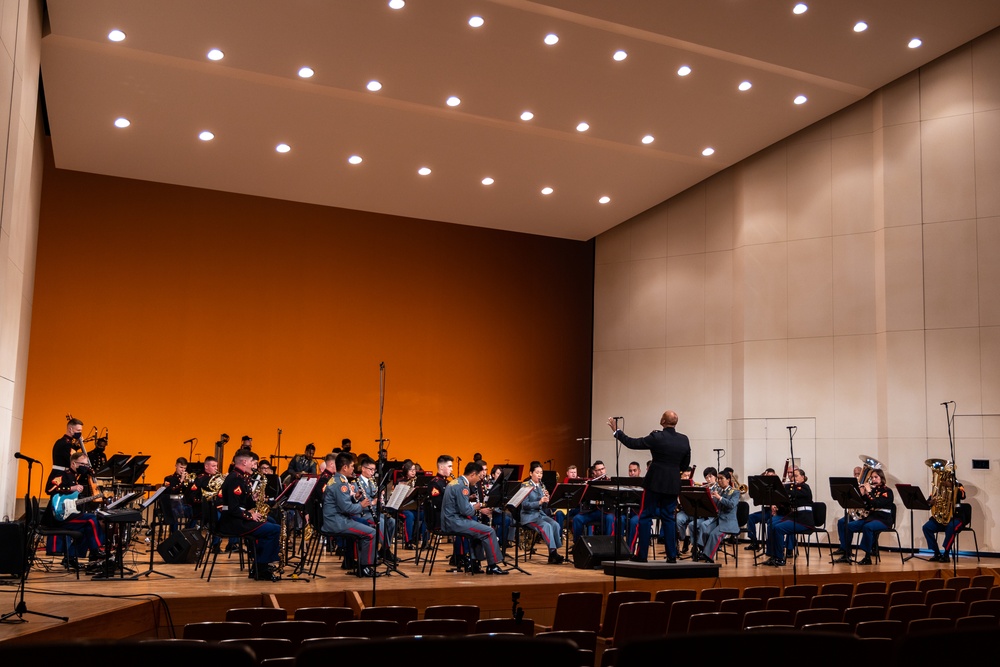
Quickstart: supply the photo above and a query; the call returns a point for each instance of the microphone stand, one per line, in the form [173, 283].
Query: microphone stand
[950, 418]
[795, 539]
[617, 517]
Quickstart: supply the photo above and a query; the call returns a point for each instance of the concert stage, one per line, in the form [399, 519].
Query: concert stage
[154, 606]
[662, 570]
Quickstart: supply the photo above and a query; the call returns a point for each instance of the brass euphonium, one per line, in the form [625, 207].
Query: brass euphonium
[944, 490]
[213, 486]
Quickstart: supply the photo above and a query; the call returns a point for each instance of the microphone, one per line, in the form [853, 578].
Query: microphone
[19, 455]
[947, 402]
[548, 461]
[618, 418]
[789, 427]
[718, 450]
[188, 442]
[583, 439]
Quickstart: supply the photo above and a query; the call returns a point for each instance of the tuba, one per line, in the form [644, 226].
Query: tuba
[871, 464]
[943, 490]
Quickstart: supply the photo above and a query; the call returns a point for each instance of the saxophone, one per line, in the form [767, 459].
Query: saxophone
[259, 494]
[943, 490]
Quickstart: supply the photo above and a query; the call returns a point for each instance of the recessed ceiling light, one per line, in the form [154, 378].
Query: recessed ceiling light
[453, 101]
[915, 43]
[860, 26]
[547, 191]
[800, 99]
[122, 122]
[374, 86]
[604, 200]
[488, 181]
[648, 139]
[582, 127]
[282, 148]
[206, 136]
[355, 159]
[683, 70]
[396, 4]
[527, 115]
[306, 72]
[216, 54]
[476, 21]
[116, 36]
[708, 151]
[745, 86]
[424, 171]
[800, 8]
[551, 38]
[620, 56]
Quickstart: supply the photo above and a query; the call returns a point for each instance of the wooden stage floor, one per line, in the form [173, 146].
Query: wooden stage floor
[156, 606]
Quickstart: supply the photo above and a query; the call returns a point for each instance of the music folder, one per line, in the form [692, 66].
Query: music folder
[520, 495]
[398, 497]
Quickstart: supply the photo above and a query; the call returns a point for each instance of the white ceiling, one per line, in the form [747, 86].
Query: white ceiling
[160, 79]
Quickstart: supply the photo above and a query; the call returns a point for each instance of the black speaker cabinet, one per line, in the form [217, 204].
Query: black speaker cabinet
[590, 551]
[182, 547]
[12, 556]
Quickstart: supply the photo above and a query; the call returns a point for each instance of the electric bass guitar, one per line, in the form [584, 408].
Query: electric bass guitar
[64, 505]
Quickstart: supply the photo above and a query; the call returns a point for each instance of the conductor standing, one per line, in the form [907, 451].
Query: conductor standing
[671, 453]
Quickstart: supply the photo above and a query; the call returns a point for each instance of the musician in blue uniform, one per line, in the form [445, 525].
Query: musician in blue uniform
[932, 527]
[238, 516]
[879, 500]
[387, 523]
[64, 487]
[711, 530]
[590, 514]
[343, 503]
[797, 518]
[533, 516]
[759, 518]
[458, 516]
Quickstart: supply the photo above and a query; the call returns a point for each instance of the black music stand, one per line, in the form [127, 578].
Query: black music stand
[508, 490]
[152, 545]
[766, 491]
[913, 499]
[131, 472]
[418, 499]
[622, 492]
[846, 492]
[697, 502]
[566, 495]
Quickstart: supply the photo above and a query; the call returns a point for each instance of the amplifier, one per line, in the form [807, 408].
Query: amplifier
[182, 547]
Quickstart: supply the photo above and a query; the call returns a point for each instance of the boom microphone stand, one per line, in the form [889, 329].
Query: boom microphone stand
[950, 418]
[795, 552]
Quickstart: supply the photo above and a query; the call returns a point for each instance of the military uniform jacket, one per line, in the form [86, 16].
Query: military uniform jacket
[800, 497]
[879, 502]
[730, 498]
[531, 506]
[235, 503]
[456, 509]
[339, 505]
[671, 453]
[435, 496]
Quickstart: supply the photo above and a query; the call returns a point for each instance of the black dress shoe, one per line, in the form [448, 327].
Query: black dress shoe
[474, 567]
[777, 563]
[837, 552]
[686, 545]
[389, 557]
[495, 569]
[368, 572]
[638, 559]
[409, 546]
[843, 559]
[865, 561]
[671, 560]
[751, 547]
[769, 561]
[555, 558]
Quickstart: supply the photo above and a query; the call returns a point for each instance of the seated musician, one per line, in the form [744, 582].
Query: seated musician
[67, 486]
[932, 527]
[759, 518]
[273, 485]
[386, 523]
[209, 492]
[589, 513]
[533, 516]
[458, 516]
[787, 521]
[301, 465]
[343, 504]
[878, 501]
[500, 521]
[408, 475]
[711, 530]
[684, 522]
[238, 516]
[432, 509]
[172, 502]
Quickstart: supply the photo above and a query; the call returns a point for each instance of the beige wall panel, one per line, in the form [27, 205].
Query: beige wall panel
[985, 73]
[988, 247]
[10, 316]
[765, 381]
[856, 398]
[648, 234]
[686, 222]
[855, 119]
[720, 209]
[854, 265]
[613, 245]
[946, 85]
[647, 303]
[953, 374]
[989, 342]
[853, 184]
[762, 188]
[948, 169]
[951, 277]
[611, 306]
[810, 207]
[765, 291]
[906, 400]
[718, 297]
[698, 387]
[821, 130]
[685, 284]
[810, 288]
[611, 387]
[900, 100]
[904, 266]
[901, 175]
[647, 388]
[810, 381]
[987, 131]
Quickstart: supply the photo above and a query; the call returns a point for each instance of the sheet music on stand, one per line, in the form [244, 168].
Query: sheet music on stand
[303, 490]
[518, 498]
[124, 500]
[398, 497]
[152, 499]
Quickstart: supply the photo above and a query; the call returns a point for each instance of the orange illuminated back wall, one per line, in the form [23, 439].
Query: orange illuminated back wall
[165, 313]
